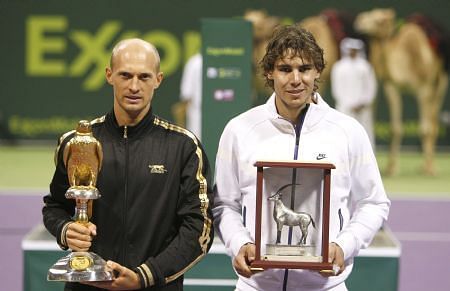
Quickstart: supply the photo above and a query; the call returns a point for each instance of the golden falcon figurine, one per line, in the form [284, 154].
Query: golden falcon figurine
[83, 157]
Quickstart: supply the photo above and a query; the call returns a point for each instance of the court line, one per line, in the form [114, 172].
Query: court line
[423, 236]
[210, 282]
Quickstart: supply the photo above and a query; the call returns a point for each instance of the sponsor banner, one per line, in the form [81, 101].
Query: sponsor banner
[226, 76]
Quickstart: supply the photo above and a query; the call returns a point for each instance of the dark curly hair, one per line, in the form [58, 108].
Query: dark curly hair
[287, 39]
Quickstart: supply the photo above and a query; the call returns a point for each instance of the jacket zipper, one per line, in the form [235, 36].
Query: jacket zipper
[124, 218]
[297, 129]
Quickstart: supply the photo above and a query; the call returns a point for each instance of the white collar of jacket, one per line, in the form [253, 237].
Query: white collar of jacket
[315, 113]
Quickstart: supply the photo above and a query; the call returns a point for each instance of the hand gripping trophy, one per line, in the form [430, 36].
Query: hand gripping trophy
[83, 157]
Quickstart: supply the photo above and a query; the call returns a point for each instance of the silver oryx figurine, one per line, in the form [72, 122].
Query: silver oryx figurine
[286, 216]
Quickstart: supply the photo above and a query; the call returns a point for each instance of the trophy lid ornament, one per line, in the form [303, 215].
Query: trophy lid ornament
[83, 156]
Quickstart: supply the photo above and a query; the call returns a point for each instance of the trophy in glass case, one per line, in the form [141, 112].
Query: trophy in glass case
[82, 157]
[293, 208]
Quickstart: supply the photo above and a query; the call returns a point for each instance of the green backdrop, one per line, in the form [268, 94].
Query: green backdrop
[53, 54]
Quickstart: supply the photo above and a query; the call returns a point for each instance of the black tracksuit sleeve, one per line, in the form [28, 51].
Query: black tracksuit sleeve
[195, 233]
[58, 210]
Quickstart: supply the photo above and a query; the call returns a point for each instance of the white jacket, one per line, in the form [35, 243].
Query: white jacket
[358, 201]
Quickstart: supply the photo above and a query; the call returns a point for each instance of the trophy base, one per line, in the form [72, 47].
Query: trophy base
[82, 192]
[80, 267]
[291, 253]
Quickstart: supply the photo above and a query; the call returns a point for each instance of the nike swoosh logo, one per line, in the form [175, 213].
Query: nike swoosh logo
[321, 157]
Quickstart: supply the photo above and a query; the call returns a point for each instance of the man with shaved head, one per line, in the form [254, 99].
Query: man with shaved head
[153, 221]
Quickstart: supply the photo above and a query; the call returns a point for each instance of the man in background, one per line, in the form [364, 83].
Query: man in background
[353, 84]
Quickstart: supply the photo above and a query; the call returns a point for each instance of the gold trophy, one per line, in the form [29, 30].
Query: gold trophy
[83, 157]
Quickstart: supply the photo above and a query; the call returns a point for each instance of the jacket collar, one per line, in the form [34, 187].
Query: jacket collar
[316, 112]
[132, 131]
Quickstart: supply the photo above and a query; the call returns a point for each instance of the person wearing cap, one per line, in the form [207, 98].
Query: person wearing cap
[353, 84]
